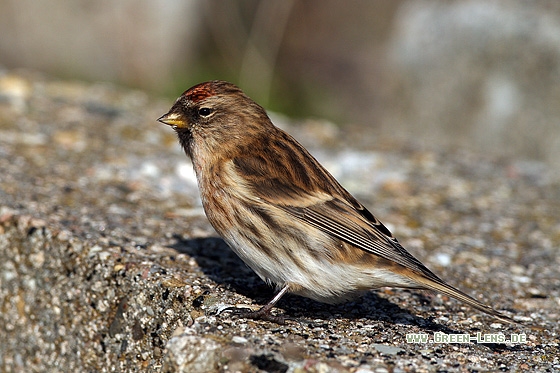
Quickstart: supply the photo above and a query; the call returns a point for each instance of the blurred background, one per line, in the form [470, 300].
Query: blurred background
[476, 74]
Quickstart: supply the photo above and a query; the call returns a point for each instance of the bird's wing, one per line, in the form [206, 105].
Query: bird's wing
[324, 204]
[358, 227]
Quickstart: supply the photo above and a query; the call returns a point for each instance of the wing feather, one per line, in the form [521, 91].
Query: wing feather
[344, 222]
[297, 184]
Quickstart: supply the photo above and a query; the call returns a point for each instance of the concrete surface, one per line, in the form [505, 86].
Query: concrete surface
[107, 263]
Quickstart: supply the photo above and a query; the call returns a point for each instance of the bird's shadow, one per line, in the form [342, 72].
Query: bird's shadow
[224, 267]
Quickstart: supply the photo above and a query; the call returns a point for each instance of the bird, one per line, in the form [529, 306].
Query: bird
[283, 213]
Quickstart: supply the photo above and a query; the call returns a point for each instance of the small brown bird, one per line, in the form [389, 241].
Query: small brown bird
[285, 215]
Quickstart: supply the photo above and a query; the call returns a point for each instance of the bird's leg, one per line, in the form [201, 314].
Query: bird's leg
[264, 312]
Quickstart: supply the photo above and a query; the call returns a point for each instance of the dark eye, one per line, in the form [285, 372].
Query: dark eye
[204, 111]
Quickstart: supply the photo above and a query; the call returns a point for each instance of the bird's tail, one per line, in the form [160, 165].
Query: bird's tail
[442, 287]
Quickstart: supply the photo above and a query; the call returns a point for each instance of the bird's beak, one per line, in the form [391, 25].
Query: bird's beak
[173, 119]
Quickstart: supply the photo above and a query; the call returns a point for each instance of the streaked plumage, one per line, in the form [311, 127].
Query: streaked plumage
[282, 212]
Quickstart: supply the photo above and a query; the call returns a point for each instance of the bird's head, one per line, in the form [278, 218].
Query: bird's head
[215, 107]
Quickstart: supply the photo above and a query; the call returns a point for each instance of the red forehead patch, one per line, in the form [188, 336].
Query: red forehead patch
[207, 89]
[200, 92]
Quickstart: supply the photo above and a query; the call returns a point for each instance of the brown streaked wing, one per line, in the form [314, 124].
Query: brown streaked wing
[320, 201]
[342, 221]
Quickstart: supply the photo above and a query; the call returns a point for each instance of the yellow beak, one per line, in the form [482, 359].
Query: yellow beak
[173, 119]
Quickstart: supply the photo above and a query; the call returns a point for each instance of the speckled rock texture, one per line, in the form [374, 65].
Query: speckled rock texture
[107, 263]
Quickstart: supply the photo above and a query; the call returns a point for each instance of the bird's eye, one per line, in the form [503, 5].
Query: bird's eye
[204, 111]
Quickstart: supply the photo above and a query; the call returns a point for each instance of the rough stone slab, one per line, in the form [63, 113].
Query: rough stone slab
[107, 262]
